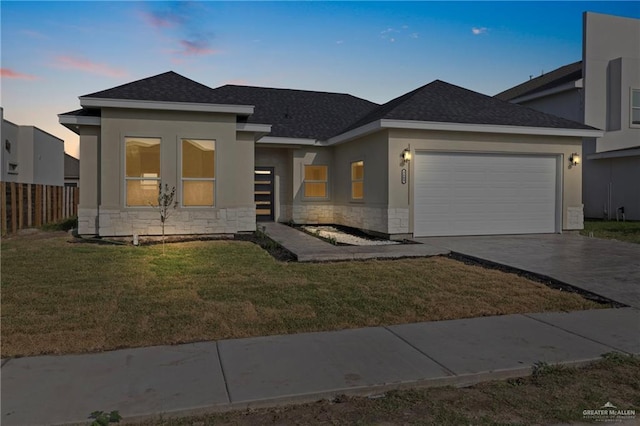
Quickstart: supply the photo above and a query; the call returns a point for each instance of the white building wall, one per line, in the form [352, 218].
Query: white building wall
[48, 158]
[9, 149]
[566, 104]
[611, 67]
[30, 155]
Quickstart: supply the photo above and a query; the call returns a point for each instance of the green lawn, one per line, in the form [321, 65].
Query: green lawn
[59, 297]
[622, 231]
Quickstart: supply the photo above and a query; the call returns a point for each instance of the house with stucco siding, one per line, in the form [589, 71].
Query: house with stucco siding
[601, 90]
[439, 160]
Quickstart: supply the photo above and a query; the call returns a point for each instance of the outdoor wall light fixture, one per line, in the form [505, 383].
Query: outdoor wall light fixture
[574, 159]
[406, 155]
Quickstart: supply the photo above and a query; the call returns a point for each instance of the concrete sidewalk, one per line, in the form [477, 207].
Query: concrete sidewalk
[307, 248]
[262, 371]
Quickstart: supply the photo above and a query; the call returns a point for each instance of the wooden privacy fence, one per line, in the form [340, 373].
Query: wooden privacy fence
[26, 205]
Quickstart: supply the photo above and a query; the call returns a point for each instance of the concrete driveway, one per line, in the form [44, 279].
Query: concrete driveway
[605, 267]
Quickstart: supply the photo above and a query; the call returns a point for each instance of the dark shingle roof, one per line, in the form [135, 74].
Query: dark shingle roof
[443, 102]
[84, 112]
[298, 113]
[321, 115]
[557, 77]
[166, 87]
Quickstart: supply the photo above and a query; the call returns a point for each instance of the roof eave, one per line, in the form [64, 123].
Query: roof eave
[89, 102]
[258, 130]
[284, 141]
[576, 84]
[461, 127]
[73, 122]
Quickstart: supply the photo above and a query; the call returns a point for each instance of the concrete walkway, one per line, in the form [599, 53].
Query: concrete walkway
[604, 267]
[307, 248]
[212, 376]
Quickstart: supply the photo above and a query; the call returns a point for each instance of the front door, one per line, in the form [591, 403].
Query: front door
[264, 193]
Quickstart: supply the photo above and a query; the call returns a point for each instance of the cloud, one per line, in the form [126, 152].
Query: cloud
[392, 35]
[181, 24]
[33, 34]
[165, 19]
[195, 48]
[478, 30]
[340, 42]
[9, 73]
[85, 65]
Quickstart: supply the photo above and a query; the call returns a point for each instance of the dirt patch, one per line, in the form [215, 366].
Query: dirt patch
[552, 395]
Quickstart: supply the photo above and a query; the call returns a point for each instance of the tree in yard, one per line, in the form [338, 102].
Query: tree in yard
[165, 205]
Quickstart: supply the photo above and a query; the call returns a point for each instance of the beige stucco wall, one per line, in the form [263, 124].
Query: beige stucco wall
[234, 209]
[370, 214]
[90, 189]
[570, 176]
[281, 160]
[387, 206]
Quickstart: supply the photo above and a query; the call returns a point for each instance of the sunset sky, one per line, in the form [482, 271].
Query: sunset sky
[53, 52]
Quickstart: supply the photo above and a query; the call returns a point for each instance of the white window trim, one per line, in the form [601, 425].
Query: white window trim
[183, 179]
[632, 108]
[124, 172]
[361, 199]
[304, 181]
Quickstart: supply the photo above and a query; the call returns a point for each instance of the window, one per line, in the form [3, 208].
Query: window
[635, 107]
[315, 181]
[13, 168]
[142, 175]
[357, 180]
[198, 173]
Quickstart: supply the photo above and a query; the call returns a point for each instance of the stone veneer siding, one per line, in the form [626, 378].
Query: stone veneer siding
[180, 222]
[377, 219]
[87, 219]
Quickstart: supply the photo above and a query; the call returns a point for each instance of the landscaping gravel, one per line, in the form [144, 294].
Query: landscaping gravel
[330, 232]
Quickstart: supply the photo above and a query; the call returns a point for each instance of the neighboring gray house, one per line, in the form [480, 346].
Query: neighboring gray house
[602, 90]
[439, 160]
[30, 155]
[71, 171]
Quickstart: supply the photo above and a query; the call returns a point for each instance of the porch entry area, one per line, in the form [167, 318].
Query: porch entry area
[264, 184]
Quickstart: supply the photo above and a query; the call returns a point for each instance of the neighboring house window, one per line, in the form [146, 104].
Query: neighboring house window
[635, 107]
[142, 176]
[13, 168]
[315, 181]
[7, 145]
[198, 173]
[357, 180]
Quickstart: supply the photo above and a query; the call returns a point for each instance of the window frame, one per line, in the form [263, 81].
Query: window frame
[351, 164]
[183, 179]
[158, 179]
[633, 107]
[304, 183]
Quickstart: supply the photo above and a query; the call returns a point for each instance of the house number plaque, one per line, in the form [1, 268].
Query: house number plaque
[403, 176]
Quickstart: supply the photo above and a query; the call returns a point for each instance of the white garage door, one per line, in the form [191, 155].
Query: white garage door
[484, 194]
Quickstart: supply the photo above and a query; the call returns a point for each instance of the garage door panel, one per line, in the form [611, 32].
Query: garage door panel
[484, 194]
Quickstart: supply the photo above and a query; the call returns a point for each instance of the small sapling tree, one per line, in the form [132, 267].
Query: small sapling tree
[165, 205]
